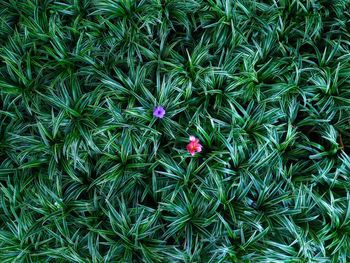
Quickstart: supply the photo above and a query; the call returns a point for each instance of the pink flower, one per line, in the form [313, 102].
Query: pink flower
[194, 146]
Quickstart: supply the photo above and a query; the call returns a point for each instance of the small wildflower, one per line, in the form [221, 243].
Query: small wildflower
[159, 112]
[194, 146]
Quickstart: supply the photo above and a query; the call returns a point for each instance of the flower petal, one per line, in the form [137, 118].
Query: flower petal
[198, 148]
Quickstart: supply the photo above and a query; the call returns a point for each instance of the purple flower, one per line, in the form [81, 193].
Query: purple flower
[159, 112]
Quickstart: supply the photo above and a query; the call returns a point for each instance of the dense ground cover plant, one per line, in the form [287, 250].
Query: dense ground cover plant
[91, 172]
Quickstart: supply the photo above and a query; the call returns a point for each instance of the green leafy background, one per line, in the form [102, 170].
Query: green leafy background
[88, 174]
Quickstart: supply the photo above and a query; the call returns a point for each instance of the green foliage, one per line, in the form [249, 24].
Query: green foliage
[88, 174]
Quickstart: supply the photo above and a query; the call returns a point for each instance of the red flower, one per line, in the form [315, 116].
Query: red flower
[194, 146]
